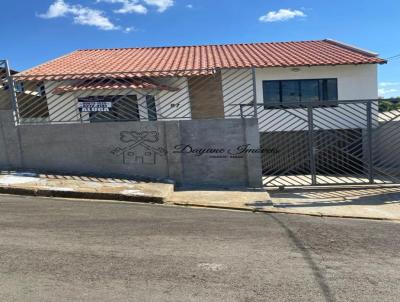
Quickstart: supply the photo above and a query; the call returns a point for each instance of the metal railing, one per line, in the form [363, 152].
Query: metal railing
[140, 96]
[326, 143]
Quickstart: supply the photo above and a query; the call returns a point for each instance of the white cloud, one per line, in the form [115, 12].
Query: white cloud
[384, 92]
[283, 14]
[139, 6]
[189, 6]
[129, 29]
[389, 89]
[128, 6]
[87, 16]
[94, 17]
[162, 5]
[58, 9]
[80, 14]
[388, 84]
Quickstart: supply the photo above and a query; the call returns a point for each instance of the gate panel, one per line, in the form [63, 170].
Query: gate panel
[385, 149]
[286, 156]
[350, 142]
[340, 144]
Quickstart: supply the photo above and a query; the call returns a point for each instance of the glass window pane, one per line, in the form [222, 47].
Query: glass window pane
[309, 91]
[151, 107]
[290, 91]
[329, 89]
[126, 107]
[332, 89]
[271, 92]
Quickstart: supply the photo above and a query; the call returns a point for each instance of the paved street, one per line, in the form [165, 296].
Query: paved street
[69, 250]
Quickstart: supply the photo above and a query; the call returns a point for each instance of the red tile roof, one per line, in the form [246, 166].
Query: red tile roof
[209, 57]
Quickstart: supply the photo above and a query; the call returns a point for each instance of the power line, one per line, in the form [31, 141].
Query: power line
[393, 57]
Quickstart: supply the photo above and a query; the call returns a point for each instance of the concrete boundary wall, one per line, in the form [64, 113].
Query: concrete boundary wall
[196, 152]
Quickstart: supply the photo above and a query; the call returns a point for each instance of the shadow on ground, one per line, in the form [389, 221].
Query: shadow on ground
[318, 198]
[307, 256]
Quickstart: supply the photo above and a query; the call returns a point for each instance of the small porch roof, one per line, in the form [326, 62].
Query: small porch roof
[112, 84]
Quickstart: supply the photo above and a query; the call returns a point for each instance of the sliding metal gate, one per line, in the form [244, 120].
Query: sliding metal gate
[351, 142]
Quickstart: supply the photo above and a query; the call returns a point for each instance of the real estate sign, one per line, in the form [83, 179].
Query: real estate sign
[85, 106]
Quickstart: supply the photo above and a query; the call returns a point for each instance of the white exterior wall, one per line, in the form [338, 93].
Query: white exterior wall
[237, 88]
[174, 105]
[355, 82]
[169, 105]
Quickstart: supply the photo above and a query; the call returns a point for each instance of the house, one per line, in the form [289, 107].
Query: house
[292, 88]
[29, 94]
[192, 82]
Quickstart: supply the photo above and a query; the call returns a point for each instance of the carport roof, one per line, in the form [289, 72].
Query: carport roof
[186, 60]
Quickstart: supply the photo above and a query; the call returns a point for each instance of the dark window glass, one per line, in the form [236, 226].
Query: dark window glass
[151, 107]
[290, 91]
[328, 89]
[41, 90]
[309, 91]
[19, 87]
[332, 91]
[126, 107]
[272, 92]
[297, 91]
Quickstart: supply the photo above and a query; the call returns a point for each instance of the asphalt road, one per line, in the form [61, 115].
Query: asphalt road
[65, 250]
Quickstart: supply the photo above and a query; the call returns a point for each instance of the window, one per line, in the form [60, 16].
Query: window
[123, 107]
[41, 90]
[293, 92]
[151, 107]
[290, 91]
[19, 87]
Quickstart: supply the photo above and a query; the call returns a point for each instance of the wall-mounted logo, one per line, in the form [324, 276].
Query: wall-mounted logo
[139, 147]
[223, 152]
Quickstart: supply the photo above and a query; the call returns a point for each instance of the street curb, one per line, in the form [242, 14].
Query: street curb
[279, 212]
[158, 200]
[82, 195]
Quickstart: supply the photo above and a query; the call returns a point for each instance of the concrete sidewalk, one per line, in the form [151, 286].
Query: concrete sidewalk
[367, 202]
[51, 185]
[378, 202]
[222, 199]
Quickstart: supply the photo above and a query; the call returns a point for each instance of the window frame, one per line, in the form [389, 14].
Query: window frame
[300, 103]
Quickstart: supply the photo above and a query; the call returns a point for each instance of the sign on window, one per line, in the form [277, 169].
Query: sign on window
[85, 106]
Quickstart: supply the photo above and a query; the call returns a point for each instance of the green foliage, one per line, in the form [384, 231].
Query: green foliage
[389, 105]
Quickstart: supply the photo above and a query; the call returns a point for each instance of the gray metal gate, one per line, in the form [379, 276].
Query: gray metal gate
[346, 142]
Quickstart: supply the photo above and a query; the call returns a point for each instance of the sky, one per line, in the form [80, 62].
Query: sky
[35, 31]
